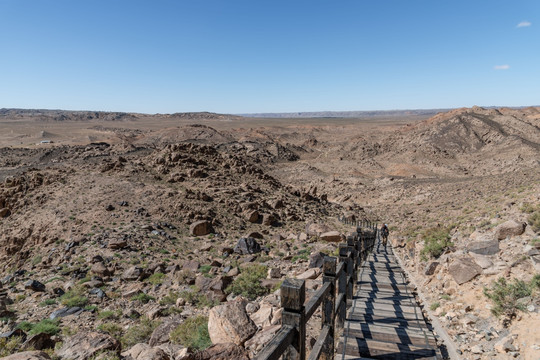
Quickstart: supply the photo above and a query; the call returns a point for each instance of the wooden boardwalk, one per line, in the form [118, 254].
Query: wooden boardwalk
[384, 321]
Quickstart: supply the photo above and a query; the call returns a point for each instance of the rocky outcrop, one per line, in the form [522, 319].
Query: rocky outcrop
[146, 352]
[229, 323]
[28, 355]
[509, 228]
[220, 352]
[331, 236]
[84, 346]
[247, 246]
[484, 245]
[464, 269]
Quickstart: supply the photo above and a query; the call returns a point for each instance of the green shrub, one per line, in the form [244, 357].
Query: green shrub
[504, 296]
[112, 329]
[534, 220]
[156, 278]
[74, 297]
[445, 297]
[197, 298]
[170, 299]
[25, 326]
[143, 298]
[192, 333]
[436, 240]
[248, 283]
[46, 326]
[109, 314]
[9, 346]
[48, 302]
[434, 306]
[36, 260]
[139, 333]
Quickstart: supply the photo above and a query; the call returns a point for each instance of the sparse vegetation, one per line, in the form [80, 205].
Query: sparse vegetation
[156, 278]
[505, 295]
[434, 306]
[248, 283]
[139, 333]
[143, 298]
[112, 329]
[436, 240]
[192, 333]
[9, 346]
[44, 326]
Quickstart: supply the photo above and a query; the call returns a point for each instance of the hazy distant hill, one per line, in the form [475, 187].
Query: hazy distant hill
[349, 114]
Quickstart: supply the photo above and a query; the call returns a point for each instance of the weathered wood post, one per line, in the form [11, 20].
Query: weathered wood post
[328, 306]
[293, 295]
[342, 287]
[345, 255]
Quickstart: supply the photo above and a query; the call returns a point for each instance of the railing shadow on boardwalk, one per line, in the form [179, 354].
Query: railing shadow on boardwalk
[339, 279]
[402, 338]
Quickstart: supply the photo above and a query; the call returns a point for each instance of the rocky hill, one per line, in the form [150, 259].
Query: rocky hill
[169, 240]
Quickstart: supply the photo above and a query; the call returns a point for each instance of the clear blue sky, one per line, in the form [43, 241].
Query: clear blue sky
[233, 56]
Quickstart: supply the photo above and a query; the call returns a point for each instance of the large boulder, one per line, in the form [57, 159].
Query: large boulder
[229, 323]
[28, 355]
[84, 346]
[161, 334]
[34, 285]
[484, 245]
[509, 228]
[331, 236]
[257, 342]
[464, 269]
[134, 273]
[247, 246]
[201, 228]
[145, 352]
[220, 352]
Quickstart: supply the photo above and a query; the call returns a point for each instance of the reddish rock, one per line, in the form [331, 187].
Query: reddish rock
[201, 228]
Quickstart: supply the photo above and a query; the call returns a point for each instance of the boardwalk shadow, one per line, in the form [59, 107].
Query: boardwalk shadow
[385, 322]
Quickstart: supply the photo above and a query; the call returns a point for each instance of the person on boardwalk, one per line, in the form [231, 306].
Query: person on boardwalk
[384, 234]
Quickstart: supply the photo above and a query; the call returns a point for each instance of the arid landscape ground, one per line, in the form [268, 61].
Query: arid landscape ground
[133, 236]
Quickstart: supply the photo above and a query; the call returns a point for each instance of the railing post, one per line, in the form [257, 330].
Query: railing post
[328, 306]
[342, 286]
[293, 296]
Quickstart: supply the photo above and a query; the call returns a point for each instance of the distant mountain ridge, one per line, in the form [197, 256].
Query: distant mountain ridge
[349, 114]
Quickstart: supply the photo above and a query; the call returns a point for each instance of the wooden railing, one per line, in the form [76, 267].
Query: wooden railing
[339, 279]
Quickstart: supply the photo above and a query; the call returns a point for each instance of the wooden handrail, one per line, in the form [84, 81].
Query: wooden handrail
[339, 279]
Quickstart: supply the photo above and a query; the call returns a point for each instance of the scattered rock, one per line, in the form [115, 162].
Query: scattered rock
[67, 311]
[117, 244]
[464, 269]
[509, 228]
[247, 246]
[312, 273]
[331, 236]
[220, 352]
[230, 323]
[5, 212]
[505, 345]
[201, 228]
[484, 246]
[430, 269]
[34, 285]
[252, 216]
[28, 355]
[316, 260]
[146, 352]
[83, 346]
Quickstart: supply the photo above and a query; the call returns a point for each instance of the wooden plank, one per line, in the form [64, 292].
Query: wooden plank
[387, 320]
[395, 335]
[370, 304]
[396, 314]
[373, 348]
[377, 327]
